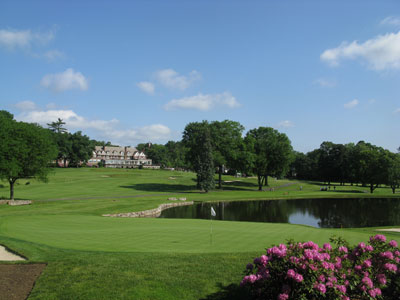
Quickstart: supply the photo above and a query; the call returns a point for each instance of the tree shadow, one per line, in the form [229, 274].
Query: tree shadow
[161, 187]
[228, 292]
[348, 191]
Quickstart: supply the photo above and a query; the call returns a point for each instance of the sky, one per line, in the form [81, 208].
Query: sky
[139, 71]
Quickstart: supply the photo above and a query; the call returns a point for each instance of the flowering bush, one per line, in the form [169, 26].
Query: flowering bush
[306, 271]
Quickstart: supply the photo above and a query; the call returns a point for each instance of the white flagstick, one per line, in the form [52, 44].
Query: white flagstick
[213, 214]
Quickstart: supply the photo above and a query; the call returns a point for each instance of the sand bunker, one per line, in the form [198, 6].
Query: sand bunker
[390, 229]
[6, 255]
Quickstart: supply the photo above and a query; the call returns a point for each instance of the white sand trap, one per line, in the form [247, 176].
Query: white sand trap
[390, 229]
[5, 255]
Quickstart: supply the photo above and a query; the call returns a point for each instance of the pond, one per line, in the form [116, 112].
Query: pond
[321, 213]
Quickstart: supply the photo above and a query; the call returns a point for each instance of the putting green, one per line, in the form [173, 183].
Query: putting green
[95, 233]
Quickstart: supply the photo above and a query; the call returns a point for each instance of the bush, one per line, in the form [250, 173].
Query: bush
[306, 271]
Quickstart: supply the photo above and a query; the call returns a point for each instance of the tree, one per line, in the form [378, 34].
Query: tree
[196, 138]
[26, 151]
[372, 164]
[57, 126]
[394, 172]
[81, 149]
[270, 153]
[226, 140]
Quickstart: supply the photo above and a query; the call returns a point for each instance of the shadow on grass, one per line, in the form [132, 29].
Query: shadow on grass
[160, 187]
[228, 292]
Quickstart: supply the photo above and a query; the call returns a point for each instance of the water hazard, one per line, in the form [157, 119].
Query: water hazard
[321, 213]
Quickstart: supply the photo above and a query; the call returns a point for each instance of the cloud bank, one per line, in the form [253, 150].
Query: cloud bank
[109, 130]
[203, 102]
[380, 53]
[67, 80]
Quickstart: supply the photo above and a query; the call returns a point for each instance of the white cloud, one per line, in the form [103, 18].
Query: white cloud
[23, 39]
[73, 120]
[171, 79]
[203, 102]
[325, 82]
[286, 124]
[151, 133]
[381, 52]
[67, 80]
[146, 87]
[395, 21]
[25, 105]
[397, 111]
[53, 55]
[351, 104]
[102, 129]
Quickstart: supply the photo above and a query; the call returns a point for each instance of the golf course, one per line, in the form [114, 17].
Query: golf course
[90, 256]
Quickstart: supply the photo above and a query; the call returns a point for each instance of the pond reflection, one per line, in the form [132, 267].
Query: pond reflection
[322, 213]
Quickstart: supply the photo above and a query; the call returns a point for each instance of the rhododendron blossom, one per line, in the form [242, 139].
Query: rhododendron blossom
[306, 271]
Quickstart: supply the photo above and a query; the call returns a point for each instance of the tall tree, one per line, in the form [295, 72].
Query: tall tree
[394, 172]
[270, 152]
[81, 149]
[57, 126]
[226, 140]
[372, 164]
[196, 138]
[26, 151]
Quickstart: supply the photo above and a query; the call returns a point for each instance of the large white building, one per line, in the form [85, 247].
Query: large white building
[119, 157]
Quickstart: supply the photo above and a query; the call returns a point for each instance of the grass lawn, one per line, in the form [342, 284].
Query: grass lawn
[95, 257]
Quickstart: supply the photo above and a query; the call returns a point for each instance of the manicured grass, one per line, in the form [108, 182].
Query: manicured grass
[95, 257]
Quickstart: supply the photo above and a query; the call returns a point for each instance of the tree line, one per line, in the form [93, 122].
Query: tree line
[361, 163]
[207, 148]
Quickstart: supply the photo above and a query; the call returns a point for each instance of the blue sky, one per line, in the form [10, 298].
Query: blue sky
[138, 71]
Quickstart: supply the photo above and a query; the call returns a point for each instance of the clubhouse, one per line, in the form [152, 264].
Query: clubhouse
[119, 157]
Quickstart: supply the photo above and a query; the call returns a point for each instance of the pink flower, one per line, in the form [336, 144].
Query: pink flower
[283, 296]
[291, 273]
[343, 249]
[369, 248]
[393, 243]
[372, 293]
[298, 278]
[367, 263]
[345, 298]
[328, 247]
[378, 291]
[378, 237]
[368, 282]
[341, 288]
[361, 245]
[321, 278]
[397, 253]
[390, 267]
[386, 254]
[320, 287]
[249, 266]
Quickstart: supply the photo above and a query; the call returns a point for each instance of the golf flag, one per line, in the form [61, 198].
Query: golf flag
[213, 212]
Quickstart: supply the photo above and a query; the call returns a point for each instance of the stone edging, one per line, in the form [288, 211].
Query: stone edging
[151, 213]
[16, 202]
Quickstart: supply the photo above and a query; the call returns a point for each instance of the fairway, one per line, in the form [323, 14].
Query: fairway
[158, 235]
[90, 256]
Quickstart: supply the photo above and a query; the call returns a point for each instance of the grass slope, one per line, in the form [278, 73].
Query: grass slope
[95, 257]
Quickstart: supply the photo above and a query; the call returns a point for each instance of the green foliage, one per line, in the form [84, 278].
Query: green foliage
[57, 126]
[197, 139]
[270, 153]
[26, 151]
[81, 149]
[227, 143]
[74, 148]
[394, 172]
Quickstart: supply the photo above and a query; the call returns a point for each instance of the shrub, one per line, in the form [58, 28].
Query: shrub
[306, 271]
